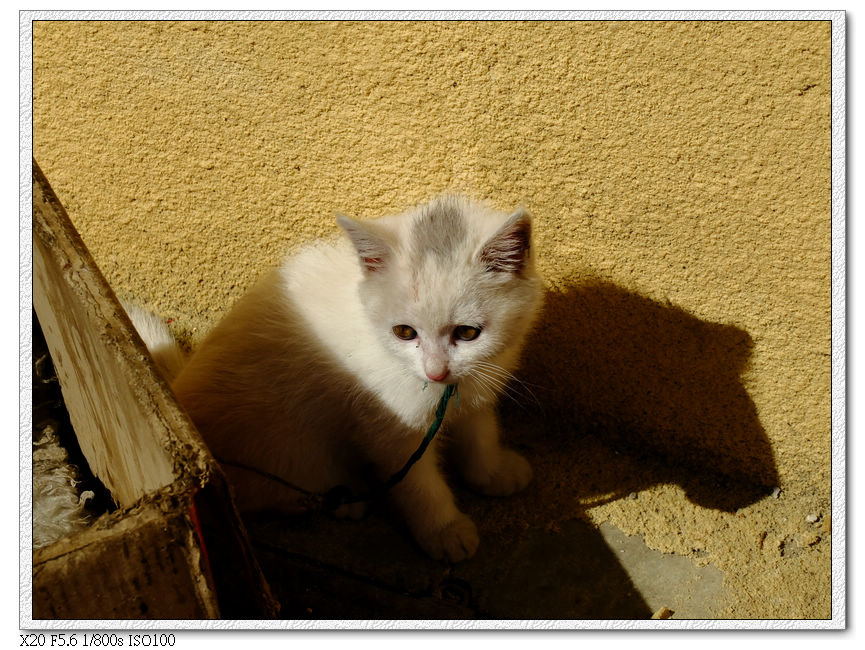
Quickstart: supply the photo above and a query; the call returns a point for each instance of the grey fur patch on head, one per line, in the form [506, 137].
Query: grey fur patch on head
[440, 228]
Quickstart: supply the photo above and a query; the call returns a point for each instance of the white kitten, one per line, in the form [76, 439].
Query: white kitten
[328, 372]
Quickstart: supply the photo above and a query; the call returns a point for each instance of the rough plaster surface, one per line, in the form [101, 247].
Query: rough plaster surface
[679, 174]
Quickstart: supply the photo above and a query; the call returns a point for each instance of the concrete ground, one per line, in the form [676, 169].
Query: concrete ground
[327, 569]
[537, 560]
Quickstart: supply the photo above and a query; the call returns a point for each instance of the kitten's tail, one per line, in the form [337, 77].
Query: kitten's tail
[166, 352]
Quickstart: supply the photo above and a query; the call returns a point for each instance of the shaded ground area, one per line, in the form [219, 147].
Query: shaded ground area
[540, 557]
[323, 569]
[326, 569]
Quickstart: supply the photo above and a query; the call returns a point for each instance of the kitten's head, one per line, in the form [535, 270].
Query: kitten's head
[450, 286]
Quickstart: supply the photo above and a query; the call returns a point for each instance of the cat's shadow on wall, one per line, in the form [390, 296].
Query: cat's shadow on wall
[652, 380]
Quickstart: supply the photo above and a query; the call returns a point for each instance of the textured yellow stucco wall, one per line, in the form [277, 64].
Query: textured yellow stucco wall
[678, 172]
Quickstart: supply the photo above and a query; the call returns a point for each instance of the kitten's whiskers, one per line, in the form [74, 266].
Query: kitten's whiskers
[503, 378]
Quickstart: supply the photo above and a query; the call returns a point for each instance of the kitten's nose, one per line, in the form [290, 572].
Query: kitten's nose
[435, 362]
[437, 376]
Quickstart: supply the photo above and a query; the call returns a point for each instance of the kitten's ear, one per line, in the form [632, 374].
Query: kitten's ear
[373, 250]
[508, 250]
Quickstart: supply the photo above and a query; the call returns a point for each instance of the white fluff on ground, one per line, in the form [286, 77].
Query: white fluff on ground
[58, 508]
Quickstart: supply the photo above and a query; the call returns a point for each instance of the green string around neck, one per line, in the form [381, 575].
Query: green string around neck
[450, 390]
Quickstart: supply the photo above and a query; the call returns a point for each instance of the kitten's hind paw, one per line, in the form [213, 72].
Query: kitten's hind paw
[510, 475]
[455, 541]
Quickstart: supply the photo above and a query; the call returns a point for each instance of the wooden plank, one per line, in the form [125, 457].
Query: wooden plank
[147, 564]
[148, 559]
[131, 430]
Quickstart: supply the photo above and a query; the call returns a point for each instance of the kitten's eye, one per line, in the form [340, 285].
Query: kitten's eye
[467, 332]
[404, 332]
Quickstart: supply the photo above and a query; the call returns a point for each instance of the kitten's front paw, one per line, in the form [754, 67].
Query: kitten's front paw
[455, 541]
[510, 475]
